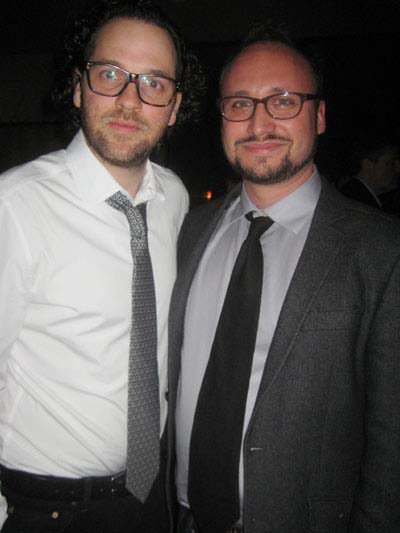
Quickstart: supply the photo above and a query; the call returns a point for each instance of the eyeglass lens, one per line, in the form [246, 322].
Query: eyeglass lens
[278, 106]
[110, 80]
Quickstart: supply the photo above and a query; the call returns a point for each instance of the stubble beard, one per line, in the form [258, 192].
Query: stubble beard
[263, 174]
[134, 157]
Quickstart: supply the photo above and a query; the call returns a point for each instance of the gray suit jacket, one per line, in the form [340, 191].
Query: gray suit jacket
[322, 450]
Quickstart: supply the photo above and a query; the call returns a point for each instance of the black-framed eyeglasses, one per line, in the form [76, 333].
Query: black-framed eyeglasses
[281, 106]
[107, 79]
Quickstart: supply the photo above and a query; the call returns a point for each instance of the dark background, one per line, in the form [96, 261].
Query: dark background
[358, 40]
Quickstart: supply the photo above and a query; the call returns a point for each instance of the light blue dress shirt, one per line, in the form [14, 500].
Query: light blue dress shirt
[282, 245]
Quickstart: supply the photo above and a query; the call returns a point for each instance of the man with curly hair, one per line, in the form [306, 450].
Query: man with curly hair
[78, 452]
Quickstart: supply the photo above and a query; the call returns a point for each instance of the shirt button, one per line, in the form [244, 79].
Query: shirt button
[55, 515]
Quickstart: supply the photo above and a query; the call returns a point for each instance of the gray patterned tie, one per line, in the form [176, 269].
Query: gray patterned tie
[143, 457]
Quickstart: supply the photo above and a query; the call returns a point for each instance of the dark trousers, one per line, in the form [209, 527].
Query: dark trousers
[186, 524]
[119, 514]
[116, 516]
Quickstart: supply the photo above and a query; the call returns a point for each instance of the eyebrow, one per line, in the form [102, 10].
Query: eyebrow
[273, 90]
[154, 72]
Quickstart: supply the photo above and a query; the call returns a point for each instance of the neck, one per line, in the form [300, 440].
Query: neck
[264, 195]
[129, 178]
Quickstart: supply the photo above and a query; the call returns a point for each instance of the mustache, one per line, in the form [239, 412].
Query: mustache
[126, 116]
[261, 138]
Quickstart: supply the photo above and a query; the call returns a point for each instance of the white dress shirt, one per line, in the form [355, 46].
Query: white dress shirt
[282, 245]
[65, 309]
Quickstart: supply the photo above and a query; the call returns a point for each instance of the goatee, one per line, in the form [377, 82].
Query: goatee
[268, 175]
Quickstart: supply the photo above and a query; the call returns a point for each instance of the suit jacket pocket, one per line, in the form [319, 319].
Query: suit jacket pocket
[329, 516]
[333, 320]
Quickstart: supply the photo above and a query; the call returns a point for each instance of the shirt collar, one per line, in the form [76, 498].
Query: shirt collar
[96, 184]
[291, 212]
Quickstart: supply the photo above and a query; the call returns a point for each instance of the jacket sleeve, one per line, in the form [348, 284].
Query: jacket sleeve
[376, 506]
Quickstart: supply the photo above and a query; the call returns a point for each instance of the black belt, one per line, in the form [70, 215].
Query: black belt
[61, 489]
[187, 524]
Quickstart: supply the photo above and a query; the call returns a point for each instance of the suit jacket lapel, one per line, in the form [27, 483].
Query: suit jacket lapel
[321, 247]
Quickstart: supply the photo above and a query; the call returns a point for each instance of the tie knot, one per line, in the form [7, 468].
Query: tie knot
[258, 225]
[136, 215]
[119, 201]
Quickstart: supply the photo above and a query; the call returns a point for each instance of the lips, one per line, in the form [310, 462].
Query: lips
[263, 147]
[123, 126]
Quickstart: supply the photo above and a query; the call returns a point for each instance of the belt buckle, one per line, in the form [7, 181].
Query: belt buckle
[105, 487]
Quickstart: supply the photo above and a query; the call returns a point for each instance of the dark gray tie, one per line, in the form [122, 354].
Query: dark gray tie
[143, 457]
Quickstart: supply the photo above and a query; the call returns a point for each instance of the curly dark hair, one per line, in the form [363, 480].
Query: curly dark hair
[80, 40]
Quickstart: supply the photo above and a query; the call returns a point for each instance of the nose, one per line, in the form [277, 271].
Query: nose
[261, 122]
[129, 98]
